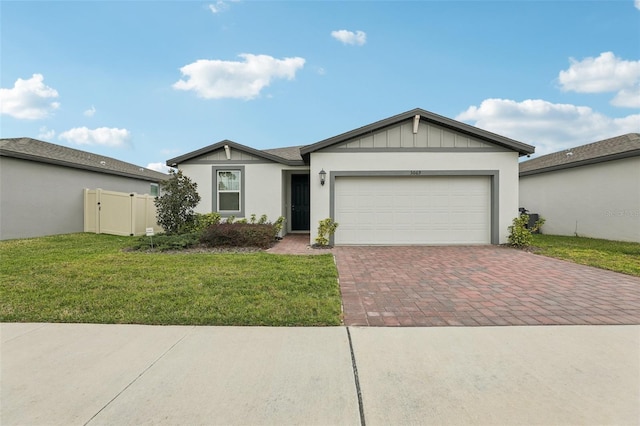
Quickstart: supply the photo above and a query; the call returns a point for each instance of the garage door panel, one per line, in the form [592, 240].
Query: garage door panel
[413, 210]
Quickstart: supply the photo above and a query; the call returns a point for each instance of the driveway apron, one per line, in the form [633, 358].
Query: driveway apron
[478, 286]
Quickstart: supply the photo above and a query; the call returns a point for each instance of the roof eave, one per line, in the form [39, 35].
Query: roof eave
[586, 162]
[29, 157]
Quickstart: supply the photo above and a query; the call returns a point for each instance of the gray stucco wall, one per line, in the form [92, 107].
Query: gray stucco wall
[38, 199]
[599, 200]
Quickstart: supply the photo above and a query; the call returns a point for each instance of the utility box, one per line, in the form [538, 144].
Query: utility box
[533, 218]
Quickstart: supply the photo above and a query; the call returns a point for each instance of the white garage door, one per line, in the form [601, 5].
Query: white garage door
[413, 210]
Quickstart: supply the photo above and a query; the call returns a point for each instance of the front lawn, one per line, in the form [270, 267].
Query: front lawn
[88, 278]
[613, 255]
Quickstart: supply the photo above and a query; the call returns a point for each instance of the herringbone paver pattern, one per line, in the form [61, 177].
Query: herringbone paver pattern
[478, 286]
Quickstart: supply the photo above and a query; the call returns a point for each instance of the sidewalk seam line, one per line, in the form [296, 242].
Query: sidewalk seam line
[23, 334]
[357, 379]
[137, 377]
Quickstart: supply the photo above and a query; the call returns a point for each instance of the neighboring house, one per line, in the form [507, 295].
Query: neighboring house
[592, 190]
[414, 178]
[41, 186]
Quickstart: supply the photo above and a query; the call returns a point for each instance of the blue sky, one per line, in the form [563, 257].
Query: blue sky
[145, 81]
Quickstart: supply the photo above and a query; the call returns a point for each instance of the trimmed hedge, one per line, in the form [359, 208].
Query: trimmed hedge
[239, 235]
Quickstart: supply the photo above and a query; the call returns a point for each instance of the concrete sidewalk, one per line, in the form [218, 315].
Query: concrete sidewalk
[76, 374]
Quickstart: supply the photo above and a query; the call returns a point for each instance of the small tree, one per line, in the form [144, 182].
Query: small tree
[519, 233]
[326, 228]
[175, 206]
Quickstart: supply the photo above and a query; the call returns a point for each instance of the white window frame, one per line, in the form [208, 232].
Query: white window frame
[217, 191]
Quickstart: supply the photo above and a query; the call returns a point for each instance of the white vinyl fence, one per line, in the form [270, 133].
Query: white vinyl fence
[119, 213]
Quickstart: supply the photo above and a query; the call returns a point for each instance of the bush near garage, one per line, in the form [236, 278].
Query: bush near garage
[520, 235]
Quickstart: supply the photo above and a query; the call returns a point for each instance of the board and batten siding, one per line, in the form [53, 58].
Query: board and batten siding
[428, 136]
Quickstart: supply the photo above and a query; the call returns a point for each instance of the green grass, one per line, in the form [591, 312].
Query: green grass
[613, 255]
[88, 278]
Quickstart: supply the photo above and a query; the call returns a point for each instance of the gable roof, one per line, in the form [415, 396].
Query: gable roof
[45, 152]
[295, 155]
[290, 156]
[521, 148]
[616, 148]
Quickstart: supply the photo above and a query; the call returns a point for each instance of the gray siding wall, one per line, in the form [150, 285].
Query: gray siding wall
[38, 199]
[599, 200]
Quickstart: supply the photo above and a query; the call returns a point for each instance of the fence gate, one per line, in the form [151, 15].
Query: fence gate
[119, 213]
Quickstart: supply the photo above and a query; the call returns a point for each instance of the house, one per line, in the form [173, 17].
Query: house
[591, 190]
[414, 178]
[42, 186]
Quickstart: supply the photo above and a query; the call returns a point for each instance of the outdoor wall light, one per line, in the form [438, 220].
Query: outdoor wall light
[323, 176]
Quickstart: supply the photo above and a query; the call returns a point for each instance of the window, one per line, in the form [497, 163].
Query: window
[229, 188]
[154, 191]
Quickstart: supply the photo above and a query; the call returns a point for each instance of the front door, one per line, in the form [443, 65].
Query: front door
[300, 217]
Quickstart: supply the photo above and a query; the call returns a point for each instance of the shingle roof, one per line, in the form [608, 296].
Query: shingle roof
[291, 153]
[605, 150]
[45, 152]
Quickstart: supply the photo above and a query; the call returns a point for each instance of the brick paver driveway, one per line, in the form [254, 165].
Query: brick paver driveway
[483, 285]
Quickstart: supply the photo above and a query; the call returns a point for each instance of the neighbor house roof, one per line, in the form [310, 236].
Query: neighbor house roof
[45, 152]
[616, 148]
[521, 148]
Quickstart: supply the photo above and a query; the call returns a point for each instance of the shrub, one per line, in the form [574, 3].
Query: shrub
[278, 225]
[203, 221]
[164, 242]
[520, 235]
[175, 206]
[326, 228]
[239, 235]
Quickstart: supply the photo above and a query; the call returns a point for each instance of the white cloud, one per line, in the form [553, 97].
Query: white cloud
[90, 112]
[111, 137]
[46, 133]
[549, 127]
[349, 37]
[606, 73]
[637, 4]
[159, 167]
[216, 79]
[218, 6]
[28, 99]
[629, 98]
